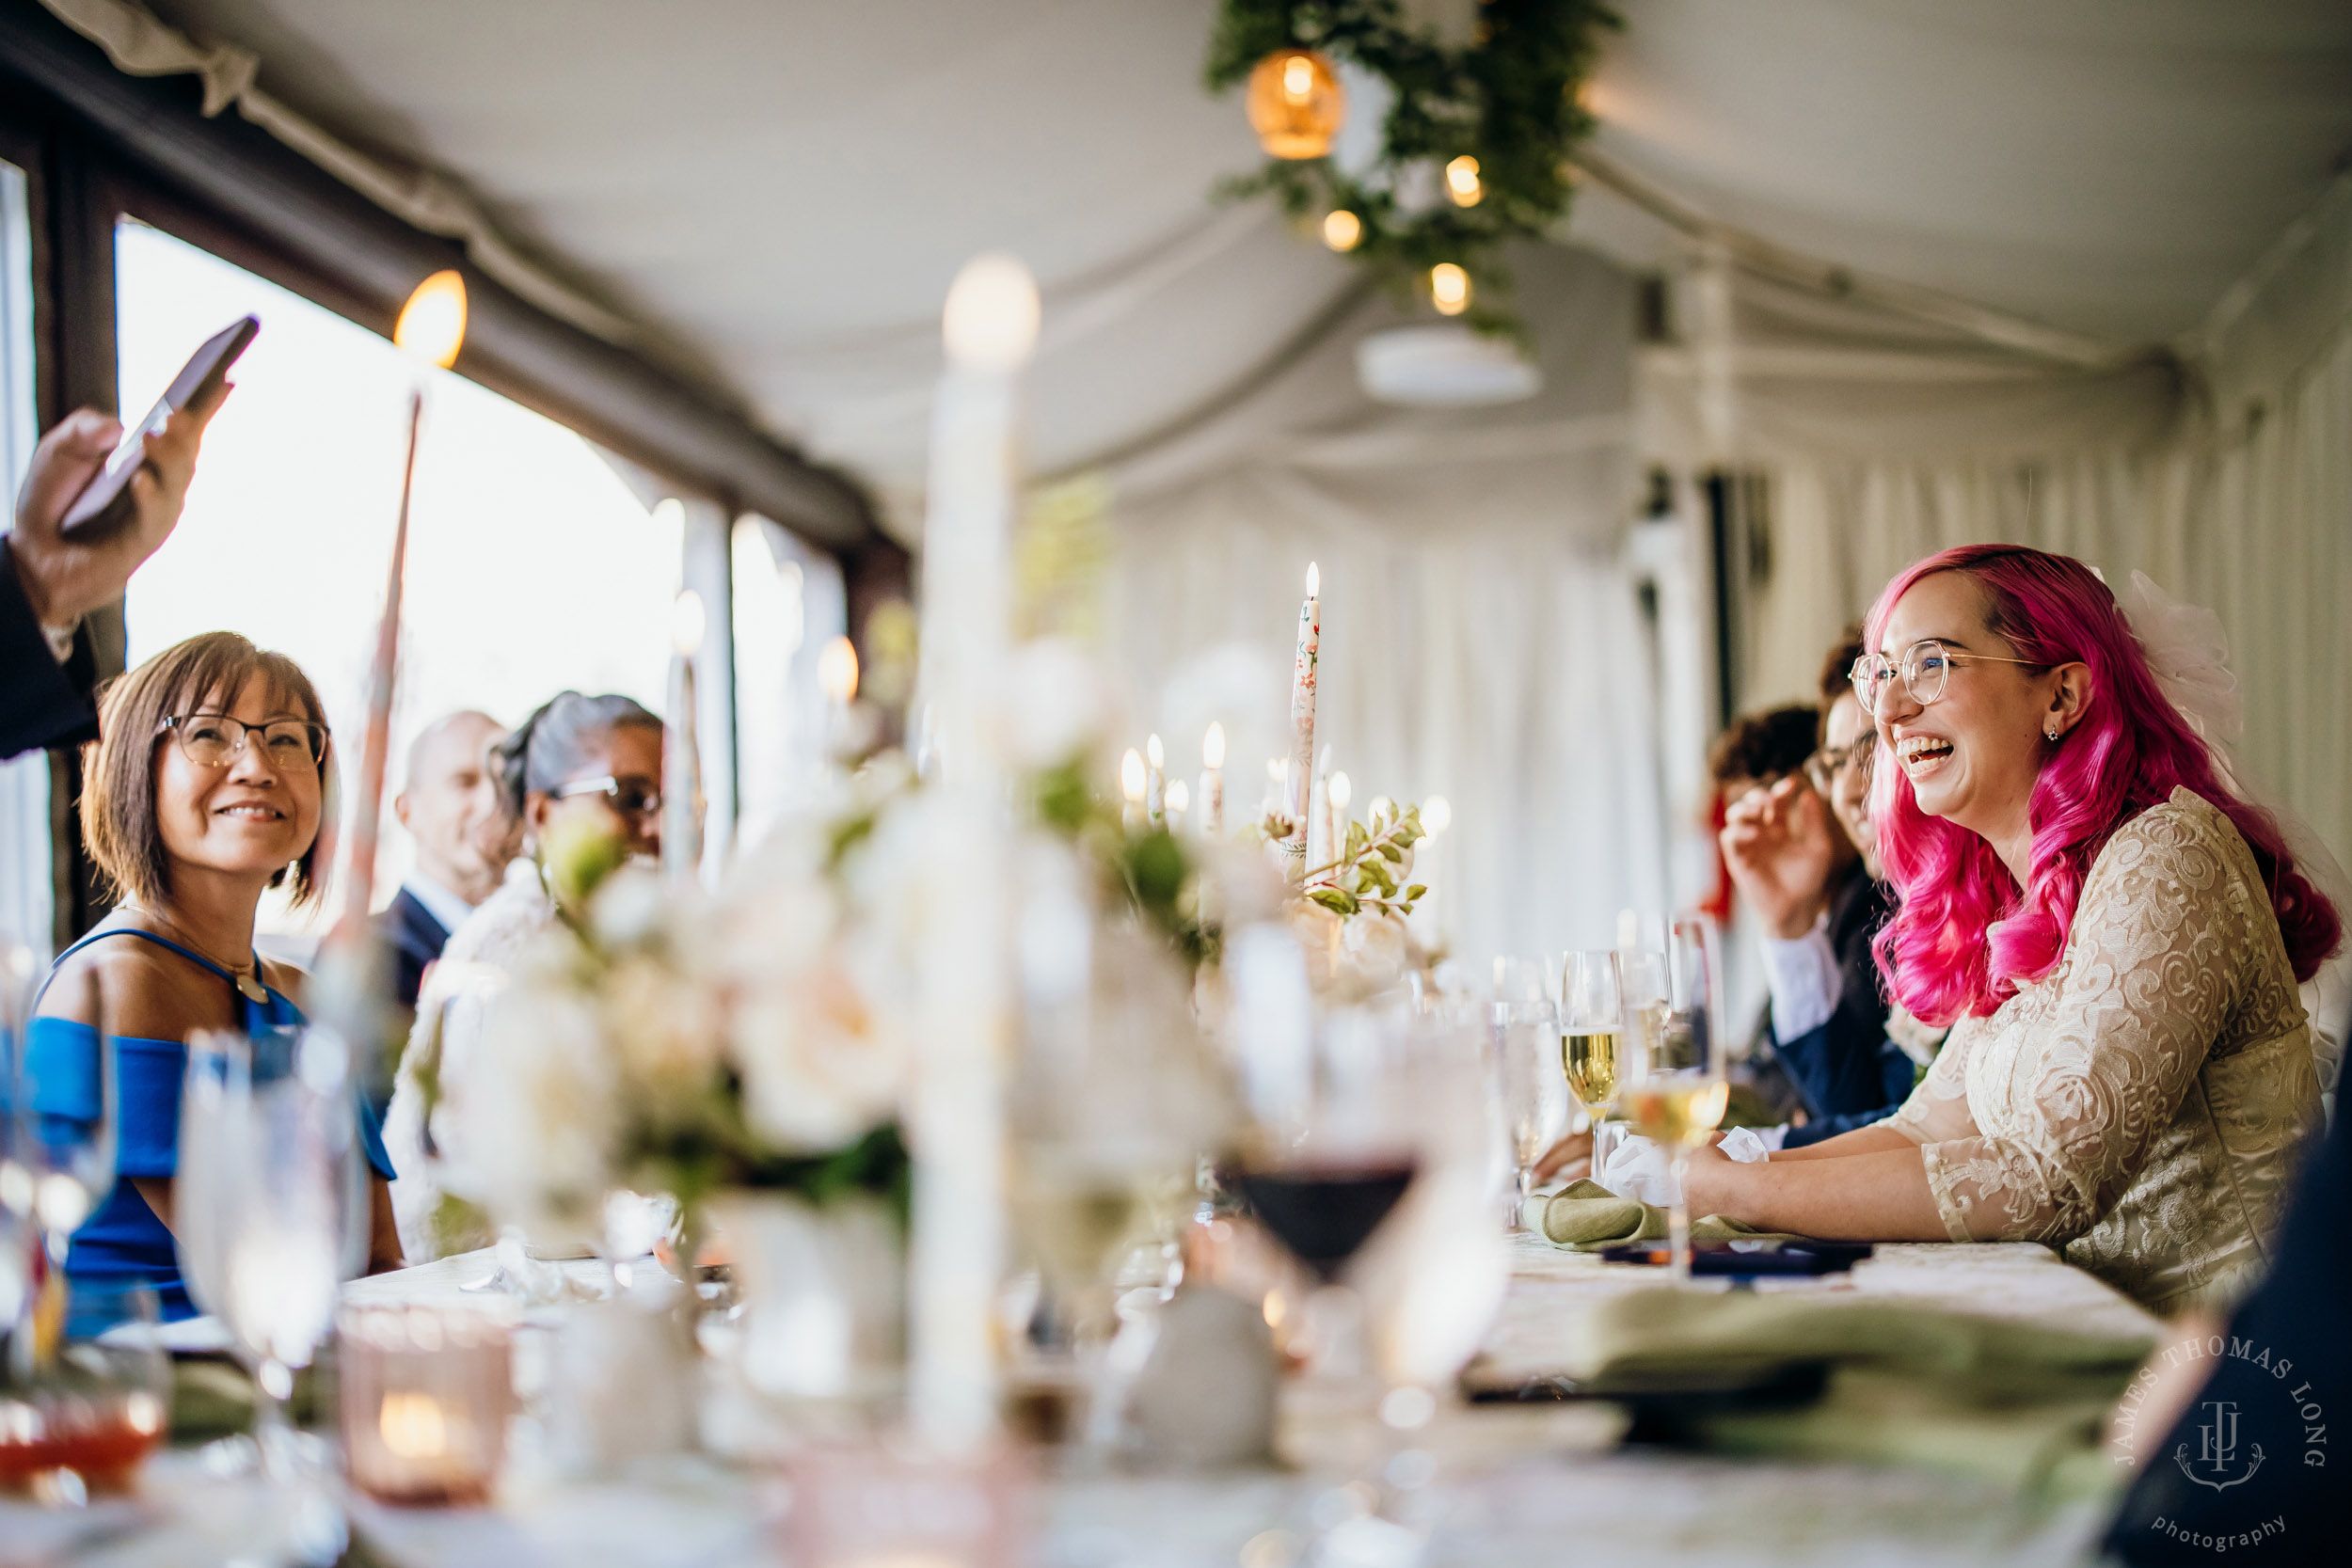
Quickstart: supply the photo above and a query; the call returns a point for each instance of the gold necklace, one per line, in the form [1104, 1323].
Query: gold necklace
[246, 977]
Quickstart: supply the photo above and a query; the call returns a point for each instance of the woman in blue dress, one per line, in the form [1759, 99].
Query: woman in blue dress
[208, 787]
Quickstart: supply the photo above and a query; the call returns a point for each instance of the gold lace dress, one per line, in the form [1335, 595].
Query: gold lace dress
[2143, 1106]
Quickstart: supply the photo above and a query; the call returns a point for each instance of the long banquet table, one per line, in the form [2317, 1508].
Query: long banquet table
[1516, 1484]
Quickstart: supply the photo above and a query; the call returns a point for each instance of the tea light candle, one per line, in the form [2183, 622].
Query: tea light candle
[426, 1395]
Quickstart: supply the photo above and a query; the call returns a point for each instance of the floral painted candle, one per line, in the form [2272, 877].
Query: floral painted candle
[1302, 758]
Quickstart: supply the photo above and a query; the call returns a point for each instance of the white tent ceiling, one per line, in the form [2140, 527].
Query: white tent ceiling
[782, 192]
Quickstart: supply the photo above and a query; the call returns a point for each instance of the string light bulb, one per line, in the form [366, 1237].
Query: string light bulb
[432, 325]
[1296, 104]
[1461, 182]
[1341, 229]
[1448, 289]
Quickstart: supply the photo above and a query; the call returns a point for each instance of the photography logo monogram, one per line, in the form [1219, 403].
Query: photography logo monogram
[2238, 1429]
[2216, 1449]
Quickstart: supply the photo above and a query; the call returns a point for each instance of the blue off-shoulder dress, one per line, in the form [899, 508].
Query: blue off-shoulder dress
[122, 1243]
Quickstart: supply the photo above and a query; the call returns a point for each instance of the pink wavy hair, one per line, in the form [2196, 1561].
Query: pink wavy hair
[1965, 937]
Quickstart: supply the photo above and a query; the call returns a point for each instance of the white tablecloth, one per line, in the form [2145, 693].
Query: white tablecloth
[1533, 1484]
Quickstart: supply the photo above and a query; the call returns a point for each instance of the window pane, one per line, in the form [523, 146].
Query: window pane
[26, 909]
[531, 565]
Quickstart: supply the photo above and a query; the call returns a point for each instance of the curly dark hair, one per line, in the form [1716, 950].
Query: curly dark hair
[1763, 747]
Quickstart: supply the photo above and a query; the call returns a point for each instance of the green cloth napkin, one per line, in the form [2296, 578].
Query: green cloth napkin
[1588, 1216]
[2015, 1402]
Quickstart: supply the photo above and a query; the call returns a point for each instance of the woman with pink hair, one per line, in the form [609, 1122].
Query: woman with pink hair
[2114, 933]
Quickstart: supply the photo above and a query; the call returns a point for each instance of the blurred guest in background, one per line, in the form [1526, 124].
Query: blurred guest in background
[1803, 857]
[207, 788]
[455, 811]
[580, 768]
[49, 580]
[1762, 749]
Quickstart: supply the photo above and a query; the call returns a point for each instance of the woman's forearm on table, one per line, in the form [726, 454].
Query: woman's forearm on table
[1881, 1196]
[1874, 1139]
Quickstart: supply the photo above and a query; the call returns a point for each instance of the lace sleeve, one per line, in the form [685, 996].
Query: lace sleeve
[2151, 969]
[1937, 1110]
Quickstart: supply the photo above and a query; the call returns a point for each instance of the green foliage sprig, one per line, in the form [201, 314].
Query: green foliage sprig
[1510, 99]
[1371, 871]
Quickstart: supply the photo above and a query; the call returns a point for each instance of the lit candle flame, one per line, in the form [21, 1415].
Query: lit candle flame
[1213, 747]
[1379, 806]
[1131, 776]
[1341, 791]
[1436, 816]
[1314, 579]
[412, 1426]
[1178, 796]
[687, 624]
[1153, 753]
[837, 671]
[990, 320]
[432, 322]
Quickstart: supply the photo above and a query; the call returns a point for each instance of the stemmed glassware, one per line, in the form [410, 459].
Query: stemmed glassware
[1642, 981]
[270, 1202]
[1591, 1035]
[1674, 1091]
[1525, 1028]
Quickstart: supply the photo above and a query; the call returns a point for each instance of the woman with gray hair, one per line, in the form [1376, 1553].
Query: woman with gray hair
[577, 766]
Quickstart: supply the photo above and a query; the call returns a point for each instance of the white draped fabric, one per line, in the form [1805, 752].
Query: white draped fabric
[1482, 635]
[2227, 477]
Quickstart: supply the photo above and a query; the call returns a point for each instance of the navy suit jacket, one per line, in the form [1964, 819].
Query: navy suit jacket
[42, 703]
[415, 938]
[2285, 1367]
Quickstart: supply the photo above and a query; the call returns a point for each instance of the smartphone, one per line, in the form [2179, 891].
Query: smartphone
[106, 500]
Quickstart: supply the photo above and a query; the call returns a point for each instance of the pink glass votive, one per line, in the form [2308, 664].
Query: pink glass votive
[426, 1395]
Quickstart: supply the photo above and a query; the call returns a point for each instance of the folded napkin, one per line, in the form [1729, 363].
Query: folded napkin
[1639, 1167]
[2016, 1402]
[1588, 1216]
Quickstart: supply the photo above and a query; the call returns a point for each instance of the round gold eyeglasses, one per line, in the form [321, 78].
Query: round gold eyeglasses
[1925, 669]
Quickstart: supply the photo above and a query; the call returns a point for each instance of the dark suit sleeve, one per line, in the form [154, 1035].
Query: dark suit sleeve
[2284, 1378]
[42, 703]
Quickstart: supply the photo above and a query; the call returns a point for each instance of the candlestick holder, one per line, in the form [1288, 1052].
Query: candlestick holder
[426, 1395]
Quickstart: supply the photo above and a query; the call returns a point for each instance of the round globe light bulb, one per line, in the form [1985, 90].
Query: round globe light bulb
[990, 320]
[1461, 182]
[1448, 289]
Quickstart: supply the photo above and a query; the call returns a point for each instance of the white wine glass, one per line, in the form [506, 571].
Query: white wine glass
[1642, 979]
[1591, 1035]
[1674, 1090]
[1525, 1028]
[263, 1202]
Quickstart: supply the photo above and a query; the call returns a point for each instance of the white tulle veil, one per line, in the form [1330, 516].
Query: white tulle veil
[2189, 655]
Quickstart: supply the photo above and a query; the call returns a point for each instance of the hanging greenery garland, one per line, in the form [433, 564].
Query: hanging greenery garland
[1473, 149]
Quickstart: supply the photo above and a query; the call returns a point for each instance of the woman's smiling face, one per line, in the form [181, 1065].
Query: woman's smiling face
[255, 813]
[1973, 754]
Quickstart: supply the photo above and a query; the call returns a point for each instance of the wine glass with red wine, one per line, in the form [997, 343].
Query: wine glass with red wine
[1328, 1159]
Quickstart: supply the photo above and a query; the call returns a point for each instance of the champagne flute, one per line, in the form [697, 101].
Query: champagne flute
[1525, 1027]
[1592, 1035]
[1675, 1090]
[1642, 978]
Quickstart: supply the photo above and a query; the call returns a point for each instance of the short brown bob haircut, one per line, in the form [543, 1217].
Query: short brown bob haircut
[119, 820]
